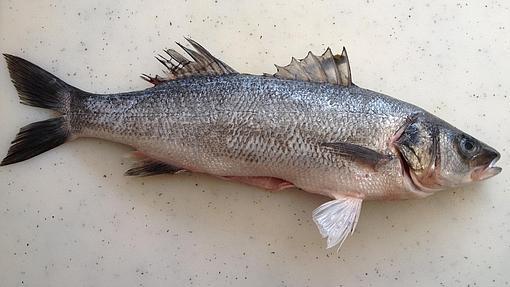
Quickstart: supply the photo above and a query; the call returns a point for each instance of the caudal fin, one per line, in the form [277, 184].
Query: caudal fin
[37, 87]
[36, 138]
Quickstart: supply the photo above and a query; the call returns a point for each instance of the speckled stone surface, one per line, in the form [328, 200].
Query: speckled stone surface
[70, 218]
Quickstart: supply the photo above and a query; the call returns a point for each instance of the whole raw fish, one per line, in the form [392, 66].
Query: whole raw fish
[307, 126]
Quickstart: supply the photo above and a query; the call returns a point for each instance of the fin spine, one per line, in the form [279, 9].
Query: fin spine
[178, 66]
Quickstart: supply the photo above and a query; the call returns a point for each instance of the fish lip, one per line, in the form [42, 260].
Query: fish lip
[487, 170]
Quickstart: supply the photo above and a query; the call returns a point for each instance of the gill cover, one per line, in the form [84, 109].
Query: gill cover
[419, 148]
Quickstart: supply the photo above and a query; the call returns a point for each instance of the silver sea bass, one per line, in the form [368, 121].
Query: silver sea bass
[307, 126]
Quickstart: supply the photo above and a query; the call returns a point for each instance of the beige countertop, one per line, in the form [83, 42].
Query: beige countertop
[70, 218]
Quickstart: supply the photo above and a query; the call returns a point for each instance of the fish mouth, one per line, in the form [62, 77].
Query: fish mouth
[486, 171]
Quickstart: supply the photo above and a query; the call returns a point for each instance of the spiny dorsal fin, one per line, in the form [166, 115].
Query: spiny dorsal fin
[327, 68]
[179, 66]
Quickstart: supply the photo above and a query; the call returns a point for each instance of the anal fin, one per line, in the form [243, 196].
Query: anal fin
[265, 182]
[145, 166]
[336, 219]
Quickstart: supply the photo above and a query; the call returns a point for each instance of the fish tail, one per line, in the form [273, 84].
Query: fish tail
[36, 138]
[37, 87]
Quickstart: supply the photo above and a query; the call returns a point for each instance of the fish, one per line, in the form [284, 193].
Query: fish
[306, 126]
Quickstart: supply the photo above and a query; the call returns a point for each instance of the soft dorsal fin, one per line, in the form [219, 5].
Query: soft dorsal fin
[178, 66]
[327, 68]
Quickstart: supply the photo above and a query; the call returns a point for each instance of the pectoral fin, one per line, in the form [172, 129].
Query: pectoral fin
[357, 153]
[337, 218]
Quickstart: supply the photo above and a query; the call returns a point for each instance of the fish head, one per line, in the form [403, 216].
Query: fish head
[436, 156]
[465, 159]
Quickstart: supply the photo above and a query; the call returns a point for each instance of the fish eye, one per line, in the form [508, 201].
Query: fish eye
[468, 146]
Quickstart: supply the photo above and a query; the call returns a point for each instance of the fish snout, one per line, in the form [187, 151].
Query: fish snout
[485, 168]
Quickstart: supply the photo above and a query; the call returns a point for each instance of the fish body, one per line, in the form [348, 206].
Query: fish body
[255, 126]
[306, 126]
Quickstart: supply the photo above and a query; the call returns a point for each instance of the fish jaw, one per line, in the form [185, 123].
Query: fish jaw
[486, 171]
